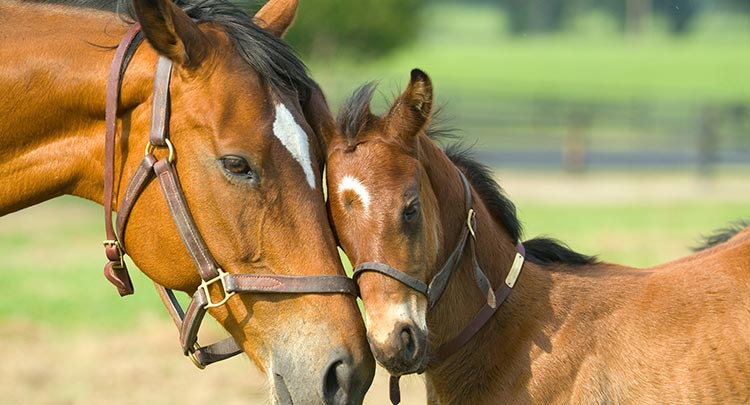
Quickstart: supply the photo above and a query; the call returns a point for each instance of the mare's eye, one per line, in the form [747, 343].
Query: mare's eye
[239, 167]
[411, 211]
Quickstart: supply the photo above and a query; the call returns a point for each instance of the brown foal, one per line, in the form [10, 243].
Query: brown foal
[567, 329]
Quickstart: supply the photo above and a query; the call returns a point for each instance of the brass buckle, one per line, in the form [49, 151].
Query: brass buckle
[204, 286]
[150, 149]
[191, 355]
[116, 243]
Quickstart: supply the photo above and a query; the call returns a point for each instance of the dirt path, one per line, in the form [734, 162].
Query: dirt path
[142, 365]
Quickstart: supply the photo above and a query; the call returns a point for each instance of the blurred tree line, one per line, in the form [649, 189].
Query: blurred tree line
[545, 16]
[373, 27]
[363, 27]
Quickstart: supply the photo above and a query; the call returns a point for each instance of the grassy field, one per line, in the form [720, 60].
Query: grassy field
[647, 93]
[466, 52]
[69, 338]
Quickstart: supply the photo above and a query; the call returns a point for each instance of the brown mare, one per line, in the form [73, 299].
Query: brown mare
[572, 329]
[246, 124]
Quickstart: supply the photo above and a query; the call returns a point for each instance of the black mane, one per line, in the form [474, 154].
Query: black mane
[268, 55]
[352, 118]
[540, 250]
[722, 235]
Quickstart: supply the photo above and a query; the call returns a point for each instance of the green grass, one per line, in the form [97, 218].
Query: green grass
[637, 235]
[51, 262]
[465, 51]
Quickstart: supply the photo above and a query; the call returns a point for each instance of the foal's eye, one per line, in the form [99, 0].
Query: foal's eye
[239, 167]
[411, 211]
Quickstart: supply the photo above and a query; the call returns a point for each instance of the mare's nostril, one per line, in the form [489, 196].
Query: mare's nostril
[336, 382]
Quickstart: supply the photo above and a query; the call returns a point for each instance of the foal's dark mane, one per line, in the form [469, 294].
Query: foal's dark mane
[352, 119]
[722, 235]
[268, 55]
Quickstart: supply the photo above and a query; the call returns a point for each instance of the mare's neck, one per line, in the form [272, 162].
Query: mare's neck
[53, 73]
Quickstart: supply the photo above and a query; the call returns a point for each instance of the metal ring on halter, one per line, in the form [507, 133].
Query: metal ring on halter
[204, 286]
[192, 357]
[150, 149]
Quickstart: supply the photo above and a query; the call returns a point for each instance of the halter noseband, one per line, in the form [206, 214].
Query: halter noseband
[188, 321]
[437, 285]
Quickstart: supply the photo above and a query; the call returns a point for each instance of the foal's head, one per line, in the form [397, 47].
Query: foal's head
[247, 124]
[384, 209]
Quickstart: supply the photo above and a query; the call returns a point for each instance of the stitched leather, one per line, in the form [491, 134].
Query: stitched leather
[115, 270]
[411, 282]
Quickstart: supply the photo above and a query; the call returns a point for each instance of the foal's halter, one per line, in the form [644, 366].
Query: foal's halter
[437, 285]
[187, 321]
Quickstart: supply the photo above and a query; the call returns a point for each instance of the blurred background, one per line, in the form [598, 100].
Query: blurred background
[621, 127]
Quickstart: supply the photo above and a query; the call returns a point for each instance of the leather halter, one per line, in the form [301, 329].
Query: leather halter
[437, 285]
[187, 321]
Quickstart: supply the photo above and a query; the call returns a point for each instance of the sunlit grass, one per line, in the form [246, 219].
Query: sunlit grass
[466, 51]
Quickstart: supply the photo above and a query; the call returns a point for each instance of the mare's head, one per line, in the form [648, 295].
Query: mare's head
[384, 209]
[246, 123]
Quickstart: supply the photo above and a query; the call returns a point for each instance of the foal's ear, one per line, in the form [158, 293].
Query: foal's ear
[411, 111]
[172, 32]
[276, 16]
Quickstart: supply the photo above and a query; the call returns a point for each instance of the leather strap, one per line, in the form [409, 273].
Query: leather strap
[479, 320]
[382, 268]
[191, 238]
[280, 284]
[142, 177]
[160, 108]
[115, 270]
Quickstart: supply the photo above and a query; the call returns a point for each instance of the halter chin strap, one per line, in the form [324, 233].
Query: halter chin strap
[437, 285]
[188, 321]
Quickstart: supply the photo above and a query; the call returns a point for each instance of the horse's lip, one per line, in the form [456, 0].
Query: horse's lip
[281, 391]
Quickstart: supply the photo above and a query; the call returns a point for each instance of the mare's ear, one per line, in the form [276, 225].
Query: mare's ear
[276, 16]
[411, 111]
[172, 32]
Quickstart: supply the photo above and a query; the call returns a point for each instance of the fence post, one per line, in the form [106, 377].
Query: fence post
[575, 142]
[707, 140]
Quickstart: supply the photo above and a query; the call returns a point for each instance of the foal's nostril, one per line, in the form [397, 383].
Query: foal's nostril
[336, 382]
[408, 343]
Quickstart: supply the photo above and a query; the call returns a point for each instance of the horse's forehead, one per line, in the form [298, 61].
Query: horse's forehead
[377, 164]
[296, 141]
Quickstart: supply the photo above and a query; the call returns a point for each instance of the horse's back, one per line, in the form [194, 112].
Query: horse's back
[685, 337]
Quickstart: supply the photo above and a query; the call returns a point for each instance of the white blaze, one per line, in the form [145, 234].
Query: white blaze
[349, 183]
[294, 139]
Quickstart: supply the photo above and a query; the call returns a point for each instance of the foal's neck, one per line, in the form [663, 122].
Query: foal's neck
[475, 368]
[54, 77]
[495, 248]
